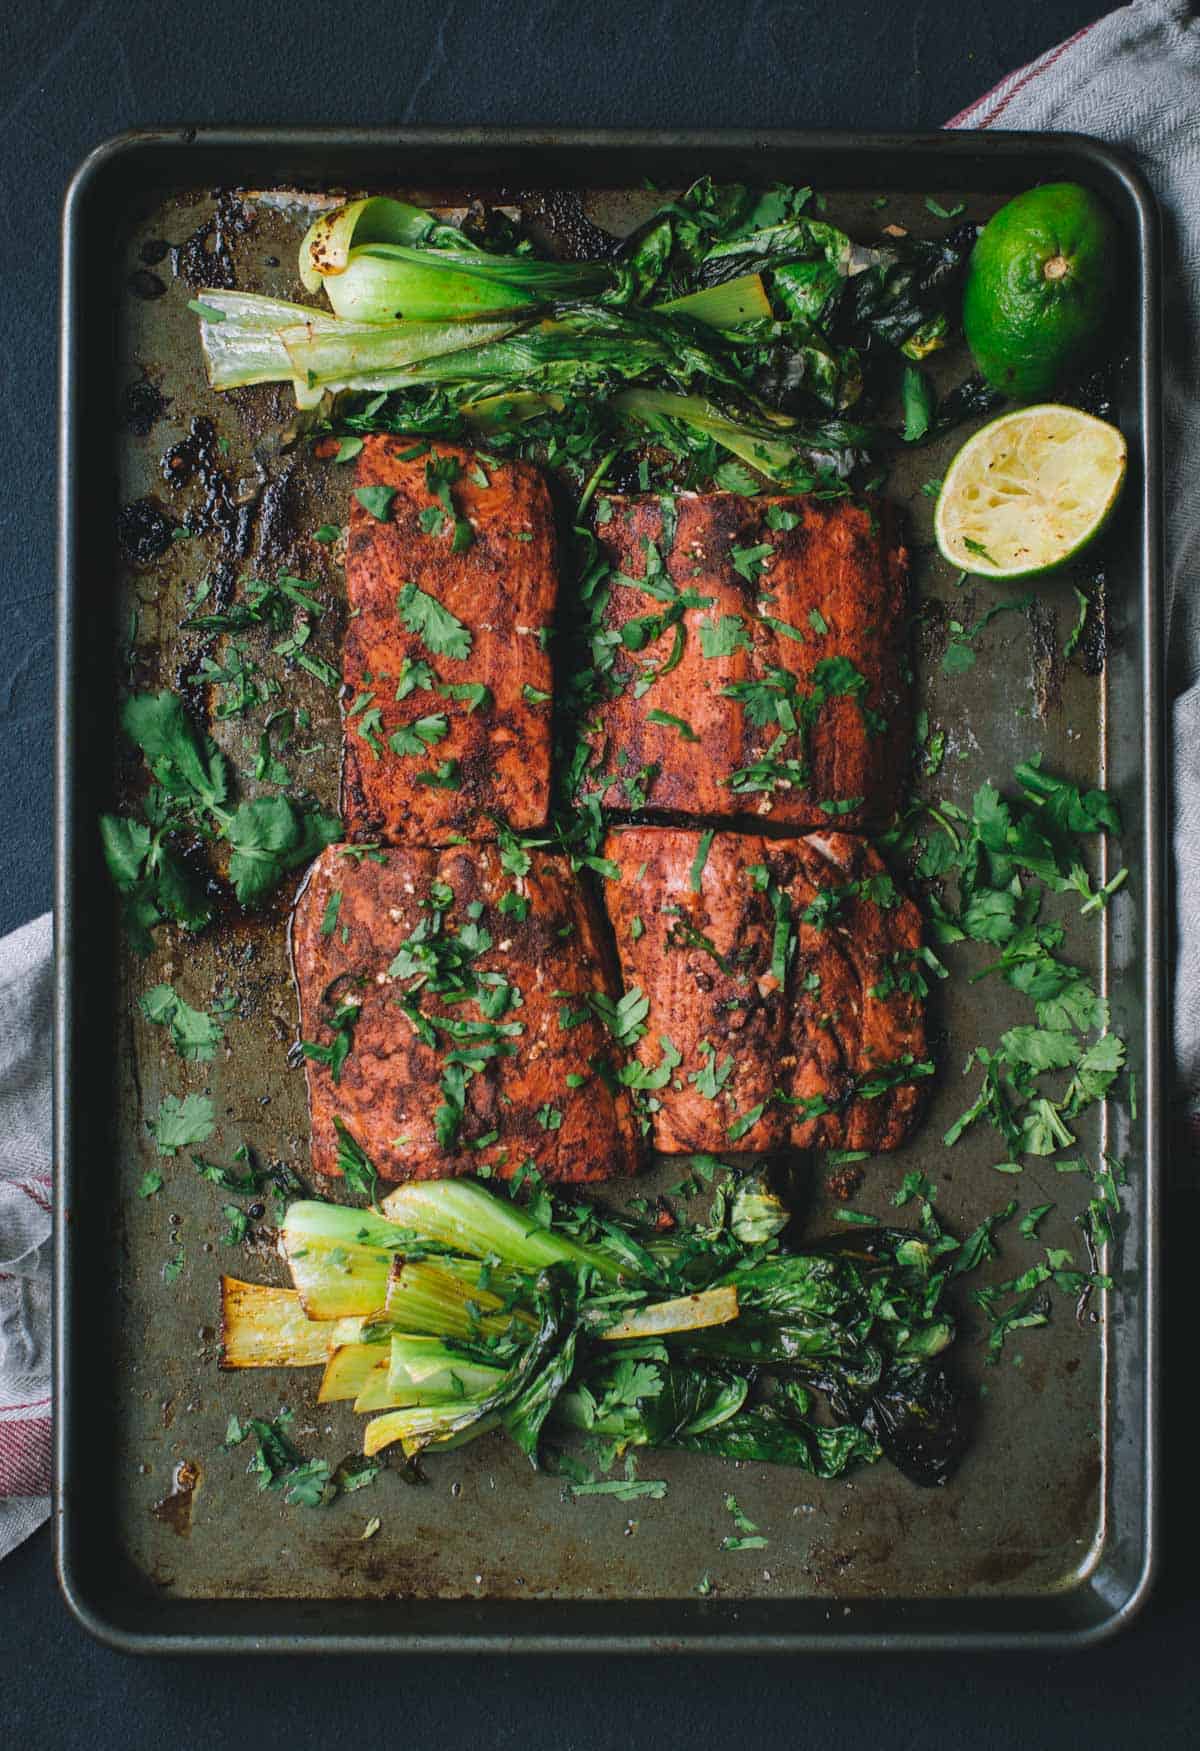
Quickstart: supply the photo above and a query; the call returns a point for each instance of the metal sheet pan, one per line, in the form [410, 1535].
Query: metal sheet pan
[1047, 1536]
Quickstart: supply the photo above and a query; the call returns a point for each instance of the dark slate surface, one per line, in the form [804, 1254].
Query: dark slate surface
[70, 76]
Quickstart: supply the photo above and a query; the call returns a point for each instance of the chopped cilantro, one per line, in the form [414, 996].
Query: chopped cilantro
[421, 734]
[701, 858]
[441, 632]
[746, 1122]
[376, 499]
[747, 1534]
[726, 636]
[180, 1122]
[356, 1166]
[440, 474]
[473, 693]
[750, 562]
[669, 719]
[445, 776]
[957, 659]
[194, 1035]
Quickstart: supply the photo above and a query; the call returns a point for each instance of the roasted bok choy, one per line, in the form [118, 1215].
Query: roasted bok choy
[457, 1311]
[733, 323]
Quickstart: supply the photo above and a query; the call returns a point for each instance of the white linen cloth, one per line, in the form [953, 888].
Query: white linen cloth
[25, 993]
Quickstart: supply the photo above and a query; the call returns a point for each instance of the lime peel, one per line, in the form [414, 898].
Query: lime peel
[1029, 491]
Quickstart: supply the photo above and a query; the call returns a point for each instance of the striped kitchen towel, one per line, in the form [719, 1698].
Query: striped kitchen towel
[25, 992]
[1133, 80]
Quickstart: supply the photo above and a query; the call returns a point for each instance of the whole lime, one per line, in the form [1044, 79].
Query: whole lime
[1039, 288]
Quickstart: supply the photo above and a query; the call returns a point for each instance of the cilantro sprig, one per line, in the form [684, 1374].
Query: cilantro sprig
[266, 837]
[1004, 856]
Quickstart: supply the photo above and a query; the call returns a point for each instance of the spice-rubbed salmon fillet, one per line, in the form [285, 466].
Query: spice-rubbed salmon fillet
[782, 977]
[451, 577]
[460, 989]
[762, 667]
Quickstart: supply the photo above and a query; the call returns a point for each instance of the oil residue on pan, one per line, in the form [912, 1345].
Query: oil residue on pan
[175, 1508]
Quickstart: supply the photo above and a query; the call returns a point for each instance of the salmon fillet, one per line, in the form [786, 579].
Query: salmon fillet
[778, 630]
[449, 954]
[782, 978]
[448, 722]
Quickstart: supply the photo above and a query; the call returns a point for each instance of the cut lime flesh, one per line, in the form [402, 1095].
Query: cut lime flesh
[1028, 491]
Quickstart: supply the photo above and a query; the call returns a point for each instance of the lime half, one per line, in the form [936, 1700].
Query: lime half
[1028, 491]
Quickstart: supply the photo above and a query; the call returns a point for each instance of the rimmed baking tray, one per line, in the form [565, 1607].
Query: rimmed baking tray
[1047, 1536]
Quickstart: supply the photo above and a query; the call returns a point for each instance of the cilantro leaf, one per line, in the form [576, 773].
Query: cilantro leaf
[377, 500]
[736, 477]
[1095, 1073]
[989, 915]
[270, 836]
[750, 562]
[636, 1075]
[474, 693]
[309, 1484]
[670, 721]
[626, 1018]
[1065, 805]
[746, 1122]
[1040, 1048]
[422, 733]
[696, 873]
[414, 675]
[441, 632]
[446, 775]
[1076, 1006]
[180, 1122]
[357, 1168]
[957, 659]
[722, 638]
[711, 1078]
[194, 1034]
[188, 765]
[440, 474]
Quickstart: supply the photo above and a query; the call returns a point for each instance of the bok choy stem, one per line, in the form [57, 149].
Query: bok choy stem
[461, 1215]
[434, 1300]
[328, 241]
